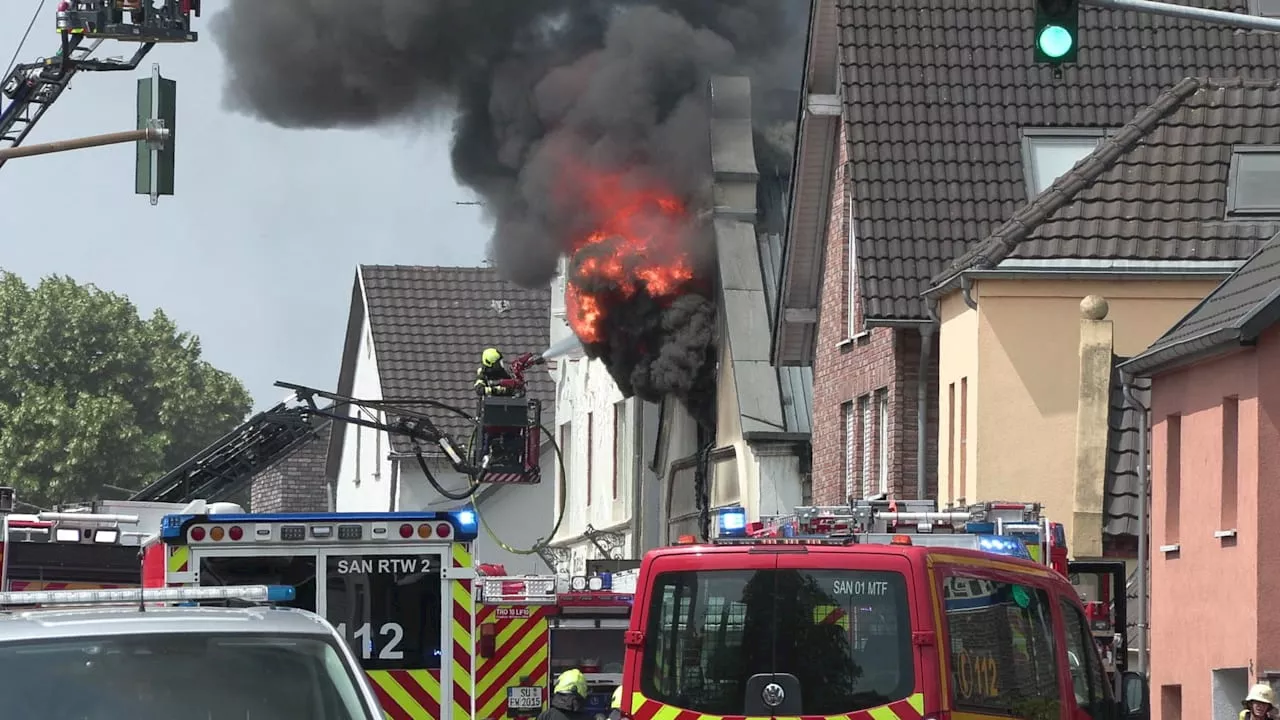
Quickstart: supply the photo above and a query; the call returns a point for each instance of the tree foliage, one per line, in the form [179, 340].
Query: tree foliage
[93, 395]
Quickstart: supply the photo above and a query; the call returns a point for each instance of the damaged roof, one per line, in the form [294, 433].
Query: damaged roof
[1236, 313]
[936, 94]
[430, 324]
[1122, 489]
[1157, 189]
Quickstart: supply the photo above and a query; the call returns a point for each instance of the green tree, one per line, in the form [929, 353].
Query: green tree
[92, 394]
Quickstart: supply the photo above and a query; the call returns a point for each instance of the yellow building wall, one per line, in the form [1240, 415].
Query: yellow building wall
[1020, 352]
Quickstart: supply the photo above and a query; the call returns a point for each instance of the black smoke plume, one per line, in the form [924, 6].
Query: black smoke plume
[540, 90]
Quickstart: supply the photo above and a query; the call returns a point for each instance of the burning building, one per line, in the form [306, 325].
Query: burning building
[593, 132]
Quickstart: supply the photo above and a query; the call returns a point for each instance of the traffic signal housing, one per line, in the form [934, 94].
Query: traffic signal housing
[1057, 37]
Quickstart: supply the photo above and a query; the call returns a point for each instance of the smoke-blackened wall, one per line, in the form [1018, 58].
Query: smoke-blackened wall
[548, 96]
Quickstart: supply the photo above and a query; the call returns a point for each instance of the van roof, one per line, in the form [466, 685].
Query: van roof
[914, 552]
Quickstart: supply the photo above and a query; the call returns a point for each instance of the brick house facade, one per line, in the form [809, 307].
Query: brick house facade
[855, 369]
[297, 482]
[927, 148]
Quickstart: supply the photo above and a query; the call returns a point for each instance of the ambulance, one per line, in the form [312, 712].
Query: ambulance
[865, 613]
[397, 586]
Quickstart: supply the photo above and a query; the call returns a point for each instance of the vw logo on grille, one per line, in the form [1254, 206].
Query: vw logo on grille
[772, 695]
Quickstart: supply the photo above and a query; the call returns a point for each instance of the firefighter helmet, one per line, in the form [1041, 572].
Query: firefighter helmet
[1261, 693]
[616, 703]
[572, 681]
[490, 357]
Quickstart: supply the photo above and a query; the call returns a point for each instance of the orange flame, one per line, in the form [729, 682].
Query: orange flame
[636, 247]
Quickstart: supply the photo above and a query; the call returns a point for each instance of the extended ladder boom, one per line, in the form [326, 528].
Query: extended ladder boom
[32, 88]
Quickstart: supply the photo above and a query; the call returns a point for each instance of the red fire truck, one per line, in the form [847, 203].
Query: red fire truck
[530, 628]
[879, 610]
[101, 545]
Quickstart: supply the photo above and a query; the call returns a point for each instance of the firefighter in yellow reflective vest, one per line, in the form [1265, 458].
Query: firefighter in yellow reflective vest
[491, 373]
[568, 698]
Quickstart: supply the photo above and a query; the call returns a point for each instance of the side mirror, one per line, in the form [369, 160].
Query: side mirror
[1135, 697]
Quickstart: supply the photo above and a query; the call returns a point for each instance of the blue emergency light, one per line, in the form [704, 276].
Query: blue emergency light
[1004, 545]
[731, 522]
[466, 518]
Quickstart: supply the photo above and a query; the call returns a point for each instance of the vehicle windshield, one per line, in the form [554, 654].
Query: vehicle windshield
[198, 676]
[844, 634]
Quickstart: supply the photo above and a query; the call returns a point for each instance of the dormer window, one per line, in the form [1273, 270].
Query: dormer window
[1048, 153]
[1253, 187]
[1265, 8]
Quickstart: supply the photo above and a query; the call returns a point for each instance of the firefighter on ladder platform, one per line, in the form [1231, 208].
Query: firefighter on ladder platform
[495, 377]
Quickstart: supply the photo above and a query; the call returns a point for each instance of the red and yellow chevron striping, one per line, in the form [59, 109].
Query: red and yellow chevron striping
[911, 708]
[407, 694]
[831, 615]
[179, 558]
[463, 626]
[521, 650]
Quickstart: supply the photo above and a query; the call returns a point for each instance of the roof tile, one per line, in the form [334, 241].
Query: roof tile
[430, 325]
[1155, 190]
[937, 94]
[1244, 305]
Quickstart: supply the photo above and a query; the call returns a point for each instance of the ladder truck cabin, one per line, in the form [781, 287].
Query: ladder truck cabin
[530, 628]
[874, 611]
[83, 25]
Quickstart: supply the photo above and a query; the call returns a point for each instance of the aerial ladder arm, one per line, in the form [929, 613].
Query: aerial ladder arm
[32, 88]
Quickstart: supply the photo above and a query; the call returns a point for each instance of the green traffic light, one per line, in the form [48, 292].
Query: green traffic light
[1055, 41]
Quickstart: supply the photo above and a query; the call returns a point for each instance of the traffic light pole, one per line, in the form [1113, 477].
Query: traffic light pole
[1186, 12]
[156, 135]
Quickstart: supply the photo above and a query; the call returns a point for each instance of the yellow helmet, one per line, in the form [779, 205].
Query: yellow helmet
[572, 681]
[490, 357]
[616, 703]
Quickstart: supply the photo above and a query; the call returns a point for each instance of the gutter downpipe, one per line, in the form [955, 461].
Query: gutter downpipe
[966, 291]
[637, 476]
[922, 399]
[1126, 384]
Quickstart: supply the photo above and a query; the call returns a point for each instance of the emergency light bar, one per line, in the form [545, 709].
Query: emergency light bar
[248, 593]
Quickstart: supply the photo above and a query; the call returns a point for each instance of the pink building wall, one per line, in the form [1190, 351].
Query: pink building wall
[1205, 596]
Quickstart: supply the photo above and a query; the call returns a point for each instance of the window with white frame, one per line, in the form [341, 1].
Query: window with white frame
[852, 301]
[623, 449]
[883, 476]
[864, 411]
[850, 445]
[1254, 183]
[1265, 8]
[1048, 153]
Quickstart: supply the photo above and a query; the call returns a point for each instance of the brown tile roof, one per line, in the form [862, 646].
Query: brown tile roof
[937, 93]
[1239, 310]
[1121, 500]
[430, 325]
[1155, 190]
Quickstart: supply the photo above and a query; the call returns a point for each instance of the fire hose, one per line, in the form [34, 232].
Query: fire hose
[477, 480]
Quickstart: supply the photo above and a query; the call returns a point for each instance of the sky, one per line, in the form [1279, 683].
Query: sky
[256, 251]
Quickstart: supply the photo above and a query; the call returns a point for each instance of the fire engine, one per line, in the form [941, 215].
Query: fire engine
[93, 546]
[530, 628]
[875, 610]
